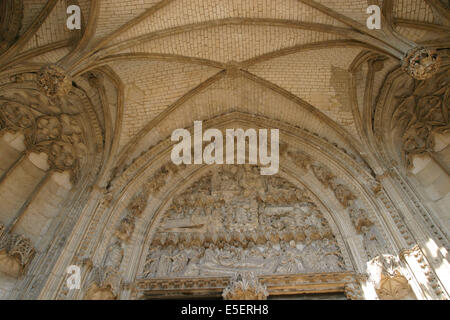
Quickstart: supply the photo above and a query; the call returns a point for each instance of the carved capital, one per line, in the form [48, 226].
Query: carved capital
[421, 63]
[245, 286]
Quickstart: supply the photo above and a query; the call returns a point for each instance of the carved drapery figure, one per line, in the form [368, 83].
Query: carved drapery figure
[245, 286]
[126, 228]
[114, 256]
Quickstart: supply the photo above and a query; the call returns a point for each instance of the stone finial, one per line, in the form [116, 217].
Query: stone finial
[245, 286]
[421, 63]
[54, 81]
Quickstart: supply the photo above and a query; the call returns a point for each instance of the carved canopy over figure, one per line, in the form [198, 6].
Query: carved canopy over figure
[245, 287]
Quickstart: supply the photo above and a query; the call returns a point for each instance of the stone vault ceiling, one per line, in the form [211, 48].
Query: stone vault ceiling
[160, 51]
[112, 93]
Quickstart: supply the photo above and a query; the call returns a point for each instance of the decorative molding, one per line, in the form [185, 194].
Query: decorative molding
[433, 284]
[275, 284]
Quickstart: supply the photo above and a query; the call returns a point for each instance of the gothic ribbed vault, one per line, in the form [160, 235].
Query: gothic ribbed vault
[362, 196]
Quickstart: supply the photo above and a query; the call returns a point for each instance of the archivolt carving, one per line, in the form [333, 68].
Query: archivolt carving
[237, 220]
[126, 227]
[433, 284]
[139, 202]
[372, 239]
[104, 282]
[322, 174]
[343, 195]
[16, 252]
[423, 110]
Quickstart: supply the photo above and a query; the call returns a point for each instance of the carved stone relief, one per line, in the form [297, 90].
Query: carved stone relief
[235, 220]
[423, 110]
[46, 128]
[105, 280]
